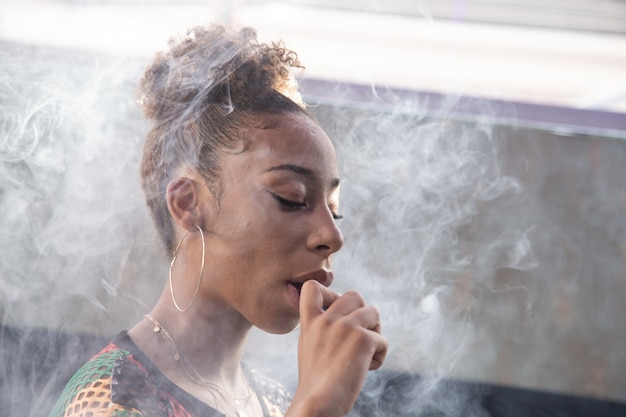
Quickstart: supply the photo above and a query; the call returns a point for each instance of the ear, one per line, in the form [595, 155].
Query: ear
[183, 199]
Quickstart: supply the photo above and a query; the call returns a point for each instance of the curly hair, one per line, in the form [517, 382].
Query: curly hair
[201, 95]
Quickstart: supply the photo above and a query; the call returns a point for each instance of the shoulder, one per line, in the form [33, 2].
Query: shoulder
[271, 393]
[90, 388]
[120, 382]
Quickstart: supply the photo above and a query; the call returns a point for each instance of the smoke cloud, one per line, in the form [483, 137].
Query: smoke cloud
[494, 253]
[71, 206]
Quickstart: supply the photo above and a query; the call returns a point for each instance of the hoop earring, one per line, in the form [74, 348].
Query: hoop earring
[195, 294]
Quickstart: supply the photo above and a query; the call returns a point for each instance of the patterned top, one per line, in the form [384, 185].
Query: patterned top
[121, 381]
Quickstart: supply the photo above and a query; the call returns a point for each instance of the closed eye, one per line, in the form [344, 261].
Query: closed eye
[296, 205]
[292, 205]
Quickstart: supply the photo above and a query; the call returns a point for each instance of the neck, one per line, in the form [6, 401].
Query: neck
[209, 339]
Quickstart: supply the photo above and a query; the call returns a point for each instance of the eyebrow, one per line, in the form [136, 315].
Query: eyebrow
[306, 172]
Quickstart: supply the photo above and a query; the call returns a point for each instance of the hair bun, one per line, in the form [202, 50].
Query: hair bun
[213, 66]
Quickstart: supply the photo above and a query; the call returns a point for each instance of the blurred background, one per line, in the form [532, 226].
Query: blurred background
[483, 155]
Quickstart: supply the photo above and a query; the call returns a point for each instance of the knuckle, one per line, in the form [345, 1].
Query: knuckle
[356, 296]
[325, 320]
[374, 311]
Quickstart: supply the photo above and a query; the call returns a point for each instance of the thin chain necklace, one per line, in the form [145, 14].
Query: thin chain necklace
[240, 403]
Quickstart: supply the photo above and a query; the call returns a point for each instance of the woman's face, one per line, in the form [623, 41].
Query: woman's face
[275, 224]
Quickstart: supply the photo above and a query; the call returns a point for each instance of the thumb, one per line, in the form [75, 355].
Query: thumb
[314, 297]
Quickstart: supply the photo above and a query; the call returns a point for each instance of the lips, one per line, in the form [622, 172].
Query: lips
[297, 285]
[322, 276]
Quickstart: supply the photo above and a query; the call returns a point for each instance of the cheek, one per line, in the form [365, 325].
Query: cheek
[273, 241]
[257, 227]
[274, 237]
[291, 231]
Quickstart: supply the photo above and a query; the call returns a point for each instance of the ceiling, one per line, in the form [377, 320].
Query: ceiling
[555, 52]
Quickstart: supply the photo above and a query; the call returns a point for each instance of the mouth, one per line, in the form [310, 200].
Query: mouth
[322, 276]
[294, 285]
[297, 286]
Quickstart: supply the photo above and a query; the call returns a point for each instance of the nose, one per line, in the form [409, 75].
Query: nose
[325, 236]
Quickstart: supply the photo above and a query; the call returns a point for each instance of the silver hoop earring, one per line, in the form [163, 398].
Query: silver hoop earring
[195, 294]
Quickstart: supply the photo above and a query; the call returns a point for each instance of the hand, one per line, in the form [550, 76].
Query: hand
[335, 350]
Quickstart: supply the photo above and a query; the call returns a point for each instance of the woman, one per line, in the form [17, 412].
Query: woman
[243, 186]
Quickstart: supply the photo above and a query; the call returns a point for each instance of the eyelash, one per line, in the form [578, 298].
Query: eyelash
[295, 205]
[288, 203]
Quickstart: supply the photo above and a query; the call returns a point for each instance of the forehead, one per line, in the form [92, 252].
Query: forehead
[290, 139]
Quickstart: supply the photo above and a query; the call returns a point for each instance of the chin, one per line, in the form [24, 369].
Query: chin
[286, 326]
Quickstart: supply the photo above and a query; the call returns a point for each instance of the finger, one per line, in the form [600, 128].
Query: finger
[367, 317]
[314, 297]
[347, 303]
[381, 352]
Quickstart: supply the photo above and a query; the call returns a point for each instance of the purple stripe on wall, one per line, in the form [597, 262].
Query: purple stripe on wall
[562, 120]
